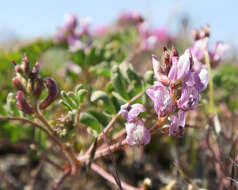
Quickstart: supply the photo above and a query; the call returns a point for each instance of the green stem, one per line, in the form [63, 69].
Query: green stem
[211, 100]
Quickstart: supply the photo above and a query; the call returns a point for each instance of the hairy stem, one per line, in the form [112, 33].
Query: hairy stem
[104, 151]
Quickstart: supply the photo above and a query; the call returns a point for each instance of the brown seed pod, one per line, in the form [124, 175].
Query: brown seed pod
[52, 93]
[22, 104]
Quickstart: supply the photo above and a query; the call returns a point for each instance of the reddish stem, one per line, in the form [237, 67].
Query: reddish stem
[110, 178]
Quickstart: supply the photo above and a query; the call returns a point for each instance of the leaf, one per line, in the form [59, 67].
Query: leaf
[120, 99]
[101, 117]
[91, 121]
[101, 95]
[81, 94]
[102, 69]
[68, 100]
[119, 82]
[78, 87]
[134, 78]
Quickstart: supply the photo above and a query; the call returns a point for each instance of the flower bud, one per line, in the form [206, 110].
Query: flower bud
[167, 64]
[17, 84]
[206, 30]
[18, 69]
[25, 64]
[158, 71]
[174, 52]
[195, 35]
[52, 93]
[36, 69]
[37, 87]
[22, 104]
[70, 22]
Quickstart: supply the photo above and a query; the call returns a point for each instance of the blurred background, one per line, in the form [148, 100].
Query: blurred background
[27, 19]
[84, 56]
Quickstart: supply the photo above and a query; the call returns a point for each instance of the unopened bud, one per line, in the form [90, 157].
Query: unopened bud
[17, 84]
[195, 35]
[207, 30]
[25, 64]
[139, 19]
[23, 105]
[52, 93]
[174, 52]
[167, 64]
[37, 87]
[36, 68]
[18, 69]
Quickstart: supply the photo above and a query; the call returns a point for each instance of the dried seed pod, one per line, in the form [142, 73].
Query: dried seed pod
[52, 93]
[17, 84]
[37, 87]
[22, 104]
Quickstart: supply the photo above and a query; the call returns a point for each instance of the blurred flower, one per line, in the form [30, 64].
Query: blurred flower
[204, 77]
[199, 48]
[75, 44]
[100, 30]
[218, 52]
[70, 22]
[73, 67]
[161, 34]
[130, 17]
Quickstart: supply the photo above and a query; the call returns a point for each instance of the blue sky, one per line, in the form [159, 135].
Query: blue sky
[28, 18]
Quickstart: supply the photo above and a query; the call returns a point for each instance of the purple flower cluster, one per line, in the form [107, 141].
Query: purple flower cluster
[201, 45]
[68, 33]
[152, 36]
[137, 134]
[130, 17]
[177, 87]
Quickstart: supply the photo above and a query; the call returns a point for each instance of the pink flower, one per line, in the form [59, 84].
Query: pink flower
[131, 113]
[180, 67]
[161, 34]
[178, 124]
[160, 95]
[136, 132]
